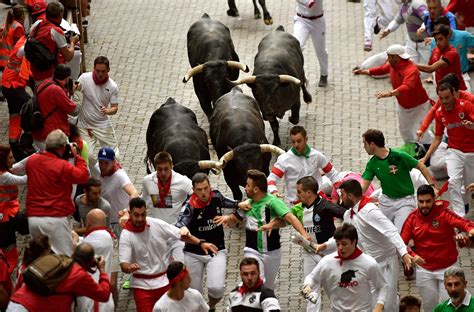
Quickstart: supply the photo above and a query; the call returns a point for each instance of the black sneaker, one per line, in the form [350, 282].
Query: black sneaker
[377, 27]
[323, 81]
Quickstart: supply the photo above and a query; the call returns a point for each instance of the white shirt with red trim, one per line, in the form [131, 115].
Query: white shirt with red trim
[181, 187]
[150, 250]
[349, 284]
[102, 242]
[191, 302]
[291, 168]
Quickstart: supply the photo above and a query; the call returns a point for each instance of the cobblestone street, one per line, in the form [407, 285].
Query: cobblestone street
[145, 41]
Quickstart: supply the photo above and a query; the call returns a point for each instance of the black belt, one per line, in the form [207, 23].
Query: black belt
[310, 17]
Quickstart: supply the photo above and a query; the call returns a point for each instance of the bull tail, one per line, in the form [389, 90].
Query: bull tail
[306, 95]
[146, 160]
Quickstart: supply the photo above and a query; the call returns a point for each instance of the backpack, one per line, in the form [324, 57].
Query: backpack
[31, 118]
[37, 54]
[46, 272]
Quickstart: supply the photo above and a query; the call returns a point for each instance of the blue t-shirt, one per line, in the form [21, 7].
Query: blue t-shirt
[427, 20]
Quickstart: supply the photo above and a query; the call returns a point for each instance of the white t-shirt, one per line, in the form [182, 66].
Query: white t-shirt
[102, 242]
[181, 186]
[113, 192]
[191, 302]
[150, 250]
[95, 96]
[349, 284]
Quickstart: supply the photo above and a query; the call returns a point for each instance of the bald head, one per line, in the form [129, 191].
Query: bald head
[94, 218]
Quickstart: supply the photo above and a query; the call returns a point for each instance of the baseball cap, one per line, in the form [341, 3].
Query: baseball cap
[106, 153]
[399, 50]
[38, 7]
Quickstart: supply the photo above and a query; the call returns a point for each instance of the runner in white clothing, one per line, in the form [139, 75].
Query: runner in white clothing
[348, 276]
[298, 162]
[117, 188]
[378, 237]
[102, 239]
[165, 191]
[180, 297]
[99, 102]
[143, 253]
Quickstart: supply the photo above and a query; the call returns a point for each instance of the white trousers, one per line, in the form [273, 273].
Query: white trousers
[303, 28]
[410, 120]
[370, 16]
[420, 53]
[438, 162]
[16, 307]
[57, 229]
[215, 268]
[467, 81]
[461, 173]
[390, 269]
[397, 210]
[103, 137]
[431, 287]
[309, 263]
[269, 263]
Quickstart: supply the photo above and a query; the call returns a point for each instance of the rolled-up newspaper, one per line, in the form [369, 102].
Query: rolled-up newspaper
[298, 239]
[311, 296]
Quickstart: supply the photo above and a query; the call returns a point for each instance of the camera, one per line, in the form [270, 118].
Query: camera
[68, 152]
[69, 34]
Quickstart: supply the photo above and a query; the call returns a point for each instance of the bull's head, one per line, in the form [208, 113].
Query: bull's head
[268, 91]
[216, 76]
[249, 156]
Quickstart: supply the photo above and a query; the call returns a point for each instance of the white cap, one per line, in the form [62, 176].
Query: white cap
[399, 50]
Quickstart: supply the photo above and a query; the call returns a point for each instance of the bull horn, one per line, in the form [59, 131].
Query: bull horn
[249, 79]
[209, 164]
[269, 148]
[193, 71]
[288, 78]
[238, 65]
[226, 157]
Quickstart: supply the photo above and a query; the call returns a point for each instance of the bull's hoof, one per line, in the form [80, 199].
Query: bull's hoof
[276, 142]
[257, 15]
[294, 121]
[268, 21]
[233, 12]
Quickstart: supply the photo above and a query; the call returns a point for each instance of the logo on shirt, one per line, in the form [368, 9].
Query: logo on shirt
[393, 169]
[346, 279]
[317, 218]
[461, 115]
[252, 298]
[435, 224]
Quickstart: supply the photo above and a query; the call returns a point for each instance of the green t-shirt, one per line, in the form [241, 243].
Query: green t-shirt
[262, 212]
[444, 307]
[298, 211]
[278, 208]
[393, 173]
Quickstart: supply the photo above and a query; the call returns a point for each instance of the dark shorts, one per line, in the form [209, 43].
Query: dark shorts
[8, 229]
[15, 99]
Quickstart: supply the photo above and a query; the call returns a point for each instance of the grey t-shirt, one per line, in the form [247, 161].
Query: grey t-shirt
[84, 209]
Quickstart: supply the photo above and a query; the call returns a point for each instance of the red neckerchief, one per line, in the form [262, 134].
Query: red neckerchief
[196, 202]
[163, 190]
[357, 252]
[98, 228]
[362, 203]
[244, 289]
[99, 82]
[116, 167]
[132, 228]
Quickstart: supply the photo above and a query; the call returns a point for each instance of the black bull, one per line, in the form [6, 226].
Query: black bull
[277, 78]
[173, 128]
[213, 60]
[238, 134]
